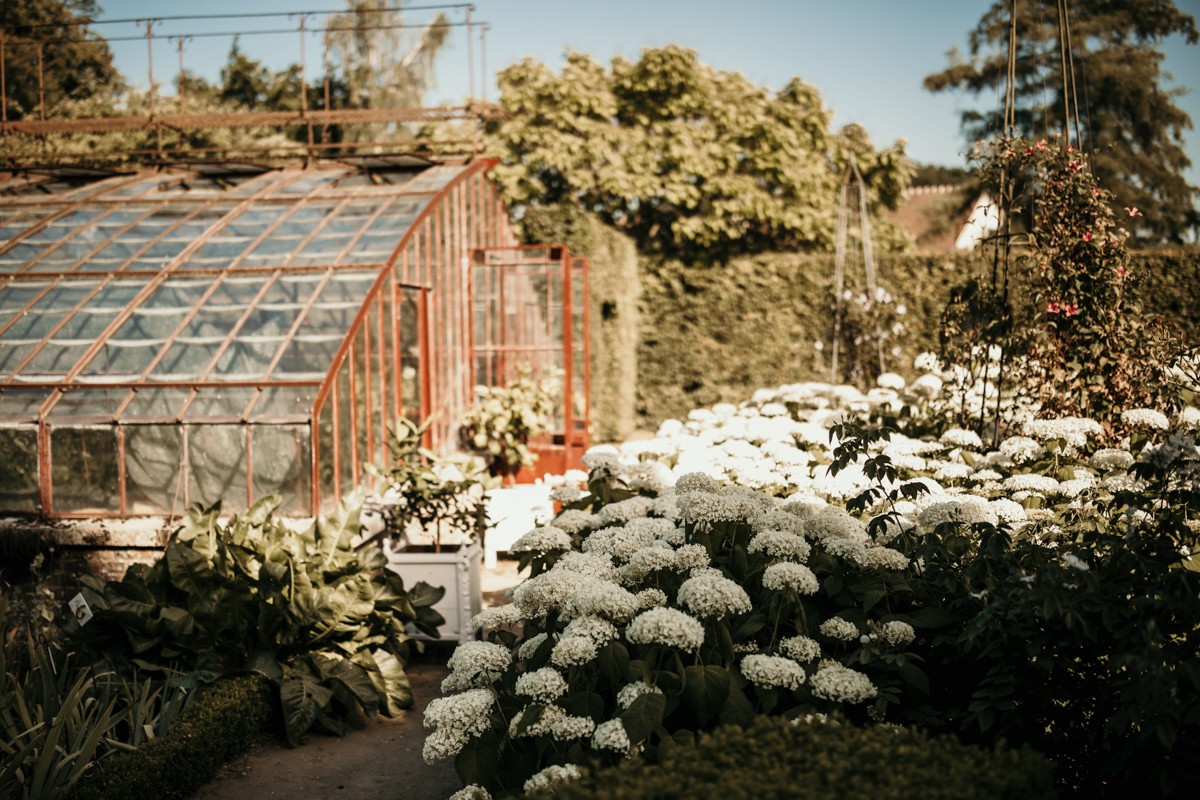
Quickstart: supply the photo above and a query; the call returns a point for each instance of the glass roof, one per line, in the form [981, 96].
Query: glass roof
[181, 294]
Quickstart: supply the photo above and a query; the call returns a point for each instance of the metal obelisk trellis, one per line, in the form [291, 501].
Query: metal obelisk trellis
[852, 177]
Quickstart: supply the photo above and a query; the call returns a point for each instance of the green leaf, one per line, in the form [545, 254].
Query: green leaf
[422, 594]
[932, 617]
[190, 572]
[736, 710]
[478, 761]
[644, 714]
[705, 690]
[303, 699]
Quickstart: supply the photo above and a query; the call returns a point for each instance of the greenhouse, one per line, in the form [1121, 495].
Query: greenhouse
[219, 332]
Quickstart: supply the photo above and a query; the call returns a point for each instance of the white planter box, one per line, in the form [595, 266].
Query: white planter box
[457, 569]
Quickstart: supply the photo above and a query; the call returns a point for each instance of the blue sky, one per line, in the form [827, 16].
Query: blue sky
[868, 57]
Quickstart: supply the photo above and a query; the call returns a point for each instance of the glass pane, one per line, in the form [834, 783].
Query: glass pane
[345, 410]
[248, 358]
[283, 465]
[84, 471]
[155, 404]
[218, 403]
[21, 405]
[88, 403]
[284, 402]
[328, 494]
[18, 469]
[217, 465]
[410, 355]
[153, 466]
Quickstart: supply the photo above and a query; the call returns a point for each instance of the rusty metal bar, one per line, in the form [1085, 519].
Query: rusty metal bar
[255, 119]
[136, 385]
[3, 79]
[238, 325]
[41, 85]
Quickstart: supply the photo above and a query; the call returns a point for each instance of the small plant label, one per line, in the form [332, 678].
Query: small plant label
[80, 609]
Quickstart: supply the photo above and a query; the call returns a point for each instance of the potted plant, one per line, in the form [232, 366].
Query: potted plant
[434, 514]
[504, 419]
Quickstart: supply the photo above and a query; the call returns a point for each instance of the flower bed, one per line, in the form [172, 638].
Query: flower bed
[770, 560]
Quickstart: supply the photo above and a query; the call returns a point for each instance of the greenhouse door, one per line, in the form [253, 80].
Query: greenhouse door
[530, 313]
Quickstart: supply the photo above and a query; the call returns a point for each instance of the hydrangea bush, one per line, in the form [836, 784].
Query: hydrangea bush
[774, 559]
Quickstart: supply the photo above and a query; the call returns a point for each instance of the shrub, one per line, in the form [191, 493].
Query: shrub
[321, 620]
[819, 759]
[220, 724]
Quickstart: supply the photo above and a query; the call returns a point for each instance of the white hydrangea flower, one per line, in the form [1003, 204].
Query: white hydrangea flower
[926, 385]
[927, 362]
[1008, 511]
[886, 558]
[770, 672]
[571, 651]
[1147, 418]
[712, 596]
[834, 525]
[665, 506]
[781, 544]
[708, 507]
[800, 648]
[961, 438]
[598, 630]
[1020, 450]
[552, 775]
[632, 691]
[566, 493]
[651, 476]
[949, 470]
[691, 556]
[840, 629]
[546, 592]
[543, 685]
[597, 459]
[594, 564]
[965, 510]
[666, 626]
[648, 560]
[841, 684]
[1075, 562]
[542, 540]
[897, 633]
[569, 728]
[985, 475]
[780, 519]
[650, 598]
[696, 482]
[530, 646]
[573, 520]
[593, 597]
[457, 718]
[625, 510]
[1032, 482]
[1111, 458]
[890, 380]
[1073, 430]
[853, 550]
[611, 735]
[471, 791]
[550, 715]
[786, 576]
[1189, 417]
[474, 658]
[497, 617]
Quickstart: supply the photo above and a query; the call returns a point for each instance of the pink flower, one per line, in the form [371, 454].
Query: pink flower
[1087, 236]
[1121, 272]
[1096, 193]
[1053, 308]
[1041, 145]
[1070, 309]
[1074, 166]
[1133, 212]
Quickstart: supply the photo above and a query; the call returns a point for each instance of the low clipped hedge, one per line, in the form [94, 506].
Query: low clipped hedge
[775, 758]
[219, 724]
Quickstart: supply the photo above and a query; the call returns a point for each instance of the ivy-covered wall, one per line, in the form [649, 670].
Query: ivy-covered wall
[713, 333]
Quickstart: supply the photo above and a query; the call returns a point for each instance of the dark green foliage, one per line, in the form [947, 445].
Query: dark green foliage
[613, 291]
[777, 759]
[710, 334]
[220, 724]
[323, 621]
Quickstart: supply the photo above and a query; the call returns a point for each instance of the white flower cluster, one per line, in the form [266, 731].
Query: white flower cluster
[1111, 459]
[573, 520]
[611, 735]
[834, 524]
[800, 648]
[551, 775]
[964, 510]
[1032, 482]
[781, 544]
[786, 576]
[897, 633]
[497, 617]
[713, 596]
[625, 510]
[543, 685]
[472, 791]
[886, 558]
[456, 719]
[543, 539]
[566, 493]
[1073, 430]
[772, 672]
[840, 629]
[571, 651]
[600, 631]
[841, 684]
[474, 665]
[961, 438]
[1020, 450]
[1146, 418]
[666, 626]
[632, 691]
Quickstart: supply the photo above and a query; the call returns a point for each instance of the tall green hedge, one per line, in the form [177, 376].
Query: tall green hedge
[613, 289]
[712, 333]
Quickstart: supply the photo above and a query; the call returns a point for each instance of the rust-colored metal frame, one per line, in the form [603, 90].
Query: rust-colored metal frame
[557, 450]
[463, 213]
